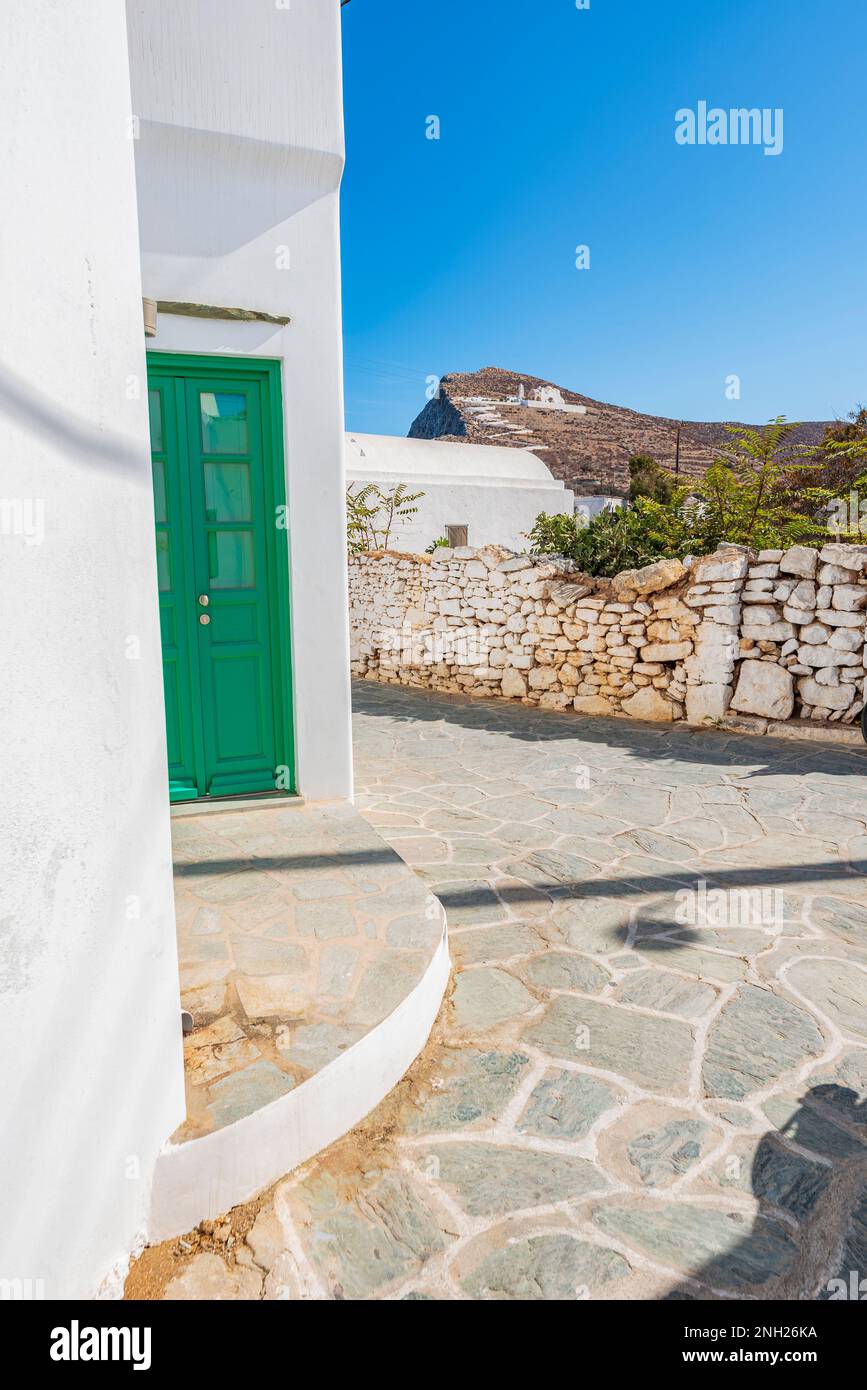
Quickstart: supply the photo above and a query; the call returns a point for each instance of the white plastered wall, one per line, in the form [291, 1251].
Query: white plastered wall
[238, 160]
[494, 515]
[91, 1083]
[495, 491]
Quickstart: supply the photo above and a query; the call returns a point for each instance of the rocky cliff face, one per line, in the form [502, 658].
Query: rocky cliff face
[440, 419]
[588, 450]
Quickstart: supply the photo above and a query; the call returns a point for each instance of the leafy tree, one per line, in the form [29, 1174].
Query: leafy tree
[557, 535]
[853, 428]
[371, 514]
[647, 478]
[841, 458]
[760, 492]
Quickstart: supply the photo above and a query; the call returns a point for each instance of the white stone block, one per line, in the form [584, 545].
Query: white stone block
[852, 557]
[825, 696]
[803, 595]
[826, 656]
[772, 632]
[765, 689]
[722, 565]
[800, 559]
[816, 634]
[846, 639]
[759, 615]
[849, 598]
[513, 685]
[836, 574]
[706, 703]
[834, 618]
[648, 703]
[666, 651]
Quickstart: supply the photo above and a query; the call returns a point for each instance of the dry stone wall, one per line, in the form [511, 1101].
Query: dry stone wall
[772, 637]
[804, 616]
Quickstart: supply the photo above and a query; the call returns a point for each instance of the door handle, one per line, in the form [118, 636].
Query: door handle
[204, 619]
[204, 600]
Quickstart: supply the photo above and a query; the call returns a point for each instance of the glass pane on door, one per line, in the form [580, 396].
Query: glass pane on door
[230, 560]
[227, 492]
[224, 422]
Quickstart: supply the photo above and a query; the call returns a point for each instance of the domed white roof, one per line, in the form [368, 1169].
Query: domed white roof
[436, 460]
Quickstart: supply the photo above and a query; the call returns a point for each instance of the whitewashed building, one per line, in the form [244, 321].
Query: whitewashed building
[187, 153]
[472, 494]
[588, 507]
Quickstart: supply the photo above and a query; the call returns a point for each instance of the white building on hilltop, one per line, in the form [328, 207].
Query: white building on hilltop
[545, 398]
[473, 494]
[590, 506]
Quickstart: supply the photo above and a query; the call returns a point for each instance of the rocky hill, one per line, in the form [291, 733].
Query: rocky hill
[586, 443]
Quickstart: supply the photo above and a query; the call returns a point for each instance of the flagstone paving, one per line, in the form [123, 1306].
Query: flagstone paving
[643, 1084]
[299, 930]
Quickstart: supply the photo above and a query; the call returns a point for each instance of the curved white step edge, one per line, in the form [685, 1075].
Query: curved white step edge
[202, 1178]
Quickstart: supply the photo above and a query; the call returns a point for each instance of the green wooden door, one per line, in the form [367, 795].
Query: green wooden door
[223, 575]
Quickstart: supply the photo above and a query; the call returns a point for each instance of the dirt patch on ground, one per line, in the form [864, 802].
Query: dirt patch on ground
[365, 1147]
[157, 1265]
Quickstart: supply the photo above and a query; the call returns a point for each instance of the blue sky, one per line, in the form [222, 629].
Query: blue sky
[557, 130]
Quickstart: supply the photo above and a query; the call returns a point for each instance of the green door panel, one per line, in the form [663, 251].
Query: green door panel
[223, 574]
[173, 578]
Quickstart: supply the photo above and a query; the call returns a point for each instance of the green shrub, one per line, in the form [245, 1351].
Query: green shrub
[612, 541]
[761, 492]
[371, 513]
[647, 478]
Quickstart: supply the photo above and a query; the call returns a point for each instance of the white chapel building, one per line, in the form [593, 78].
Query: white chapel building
[472, 494]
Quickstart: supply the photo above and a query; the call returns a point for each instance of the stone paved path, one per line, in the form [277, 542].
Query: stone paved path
[299, 931]
[645, 1083]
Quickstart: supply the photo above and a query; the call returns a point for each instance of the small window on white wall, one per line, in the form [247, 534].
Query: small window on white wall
[458, 535]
